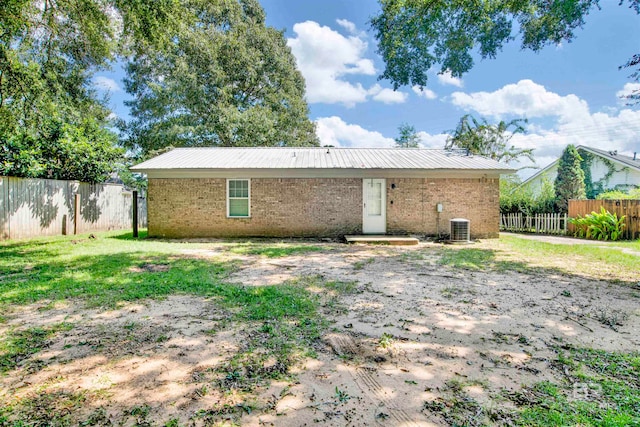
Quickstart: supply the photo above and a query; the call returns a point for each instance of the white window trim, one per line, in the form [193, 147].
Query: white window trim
[248, 196]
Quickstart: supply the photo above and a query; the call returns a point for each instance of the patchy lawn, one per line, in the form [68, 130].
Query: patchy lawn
[108, 330]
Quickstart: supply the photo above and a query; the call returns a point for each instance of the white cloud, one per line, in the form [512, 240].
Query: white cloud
[106, 84]
[555, 120]
[427, 93]
[432, 141]
[387, 96]
[447, 79]
[325, 57]
[347, 25]
[334, 131]
[524, 98]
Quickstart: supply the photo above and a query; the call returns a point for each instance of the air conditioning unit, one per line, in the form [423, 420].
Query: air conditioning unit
[459, 230]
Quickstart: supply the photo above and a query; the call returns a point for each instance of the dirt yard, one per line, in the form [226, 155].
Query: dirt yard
[411, 342]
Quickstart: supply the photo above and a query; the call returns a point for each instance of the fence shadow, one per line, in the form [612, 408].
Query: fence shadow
[40, 207]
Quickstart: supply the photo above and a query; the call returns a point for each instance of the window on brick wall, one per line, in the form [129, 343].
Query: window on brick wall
[238, 196]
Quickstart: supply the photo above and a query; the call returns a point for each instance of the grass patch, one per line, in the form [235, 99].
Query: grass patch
[359, 265]
[468, 259]
[282, 326]
[103, 271]
[512, 253]
[602, 389]
[17, 346]
[274, 251]
[476, 259]
[608, 262]
[55, 408]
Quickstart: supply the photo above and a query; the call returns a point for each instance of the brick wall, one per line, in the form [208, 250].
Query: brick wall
[279, 207]
[411, 205]
[196, 207]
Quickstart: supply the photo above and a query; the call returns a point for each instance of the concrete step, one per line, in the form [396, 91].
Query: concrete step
[383, 240]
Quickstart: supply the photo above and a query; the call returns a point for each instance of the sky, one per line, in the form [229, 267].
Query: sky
[569, 93]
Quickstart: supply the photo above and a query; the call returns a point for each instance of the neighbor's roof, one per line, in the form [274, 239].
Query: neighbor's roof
[611, 155]
[318, 158]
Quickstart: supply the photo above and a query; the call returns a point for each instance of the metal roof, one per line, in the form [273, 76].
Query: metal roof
[219, 158]
[613, 155]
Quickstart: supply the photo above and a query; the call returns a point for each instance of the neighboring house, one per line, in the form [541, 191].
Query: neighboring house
[229, 192]
[604, 170]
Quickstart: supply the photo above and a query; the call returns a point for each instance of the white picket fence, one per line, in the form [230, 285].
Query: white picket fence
[550, 223]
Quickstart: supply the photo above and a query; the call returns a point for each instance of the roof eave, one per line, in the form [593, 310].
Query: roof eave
[317, 172]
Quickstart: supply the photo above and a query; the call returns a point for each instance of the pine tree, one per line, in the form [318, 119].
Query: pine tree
[569, 183]
[408, 137]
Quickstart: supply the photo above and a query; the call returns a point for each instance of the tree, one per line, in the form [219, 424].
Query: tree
[84, 151]
[569, 183]
[408, 137]
[484, 139]
[417, 35]
[52, 122]
[221, 78]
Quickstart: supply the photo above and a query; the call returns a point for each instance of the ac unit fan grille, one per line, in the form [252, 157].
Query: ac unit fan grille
[459, 230]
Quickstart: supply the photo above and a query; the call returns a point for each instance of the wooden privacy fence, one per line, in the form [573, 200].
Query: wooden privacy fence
[550, 223]
[629, 208]
[47, 207]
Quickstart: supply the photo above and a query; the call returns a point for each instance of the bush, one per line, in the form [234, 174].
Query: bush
[633, 194]
[515, 198]
[599, 226]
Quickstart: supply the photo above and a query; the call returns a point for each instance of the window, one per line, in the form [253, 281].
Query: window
[238, 191]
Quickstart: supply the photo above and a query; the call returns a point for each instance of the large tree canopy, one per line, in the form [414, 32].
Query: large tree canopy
[222, 78]
[52, 122]
[417, 35]
[201, 72]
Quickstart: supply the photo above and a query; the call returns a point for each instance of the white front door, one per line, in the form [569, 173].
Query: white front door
[374, 212]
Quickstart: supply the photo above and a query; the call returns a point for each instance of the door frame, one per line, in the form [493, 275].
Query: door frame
[374, 224]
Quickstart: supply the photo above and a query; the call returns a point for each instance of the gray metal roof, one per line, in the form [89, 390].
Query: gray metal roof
[613, 155]
[317, 158]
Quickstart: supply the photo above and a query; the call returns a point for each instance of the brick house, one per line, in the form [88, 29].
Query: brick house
[230, 192]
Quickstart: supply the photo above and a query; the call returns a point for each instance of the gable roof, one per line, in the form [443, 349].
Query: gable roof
[625, 160]
[303, 158]
[614, 156]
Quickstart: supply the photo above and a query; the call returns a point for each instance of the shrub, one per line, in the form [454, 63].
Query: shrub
[516, 198]
[599, 226]
[633, 193]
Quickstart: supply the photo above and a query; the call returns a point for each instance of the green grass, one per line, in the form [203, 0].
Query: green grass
[599, 389]
[283, 324]
[602, 389]
[18, 345]
[274, 251]
[470, 259]
[103, 271]
[280, 324]
[481, 260]
[512, 253]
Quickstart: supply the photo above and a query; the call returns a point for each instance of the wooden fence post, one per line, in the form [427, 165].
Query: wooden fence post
[76, 213]
[134, 205]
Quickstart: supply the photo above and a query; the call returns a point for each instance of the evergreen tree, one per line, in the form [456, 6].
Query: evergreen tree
[569, 183]
[408, 137]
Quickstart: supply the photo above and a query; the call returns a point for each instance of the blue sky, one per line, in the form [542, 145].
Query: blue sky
[570, 93]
